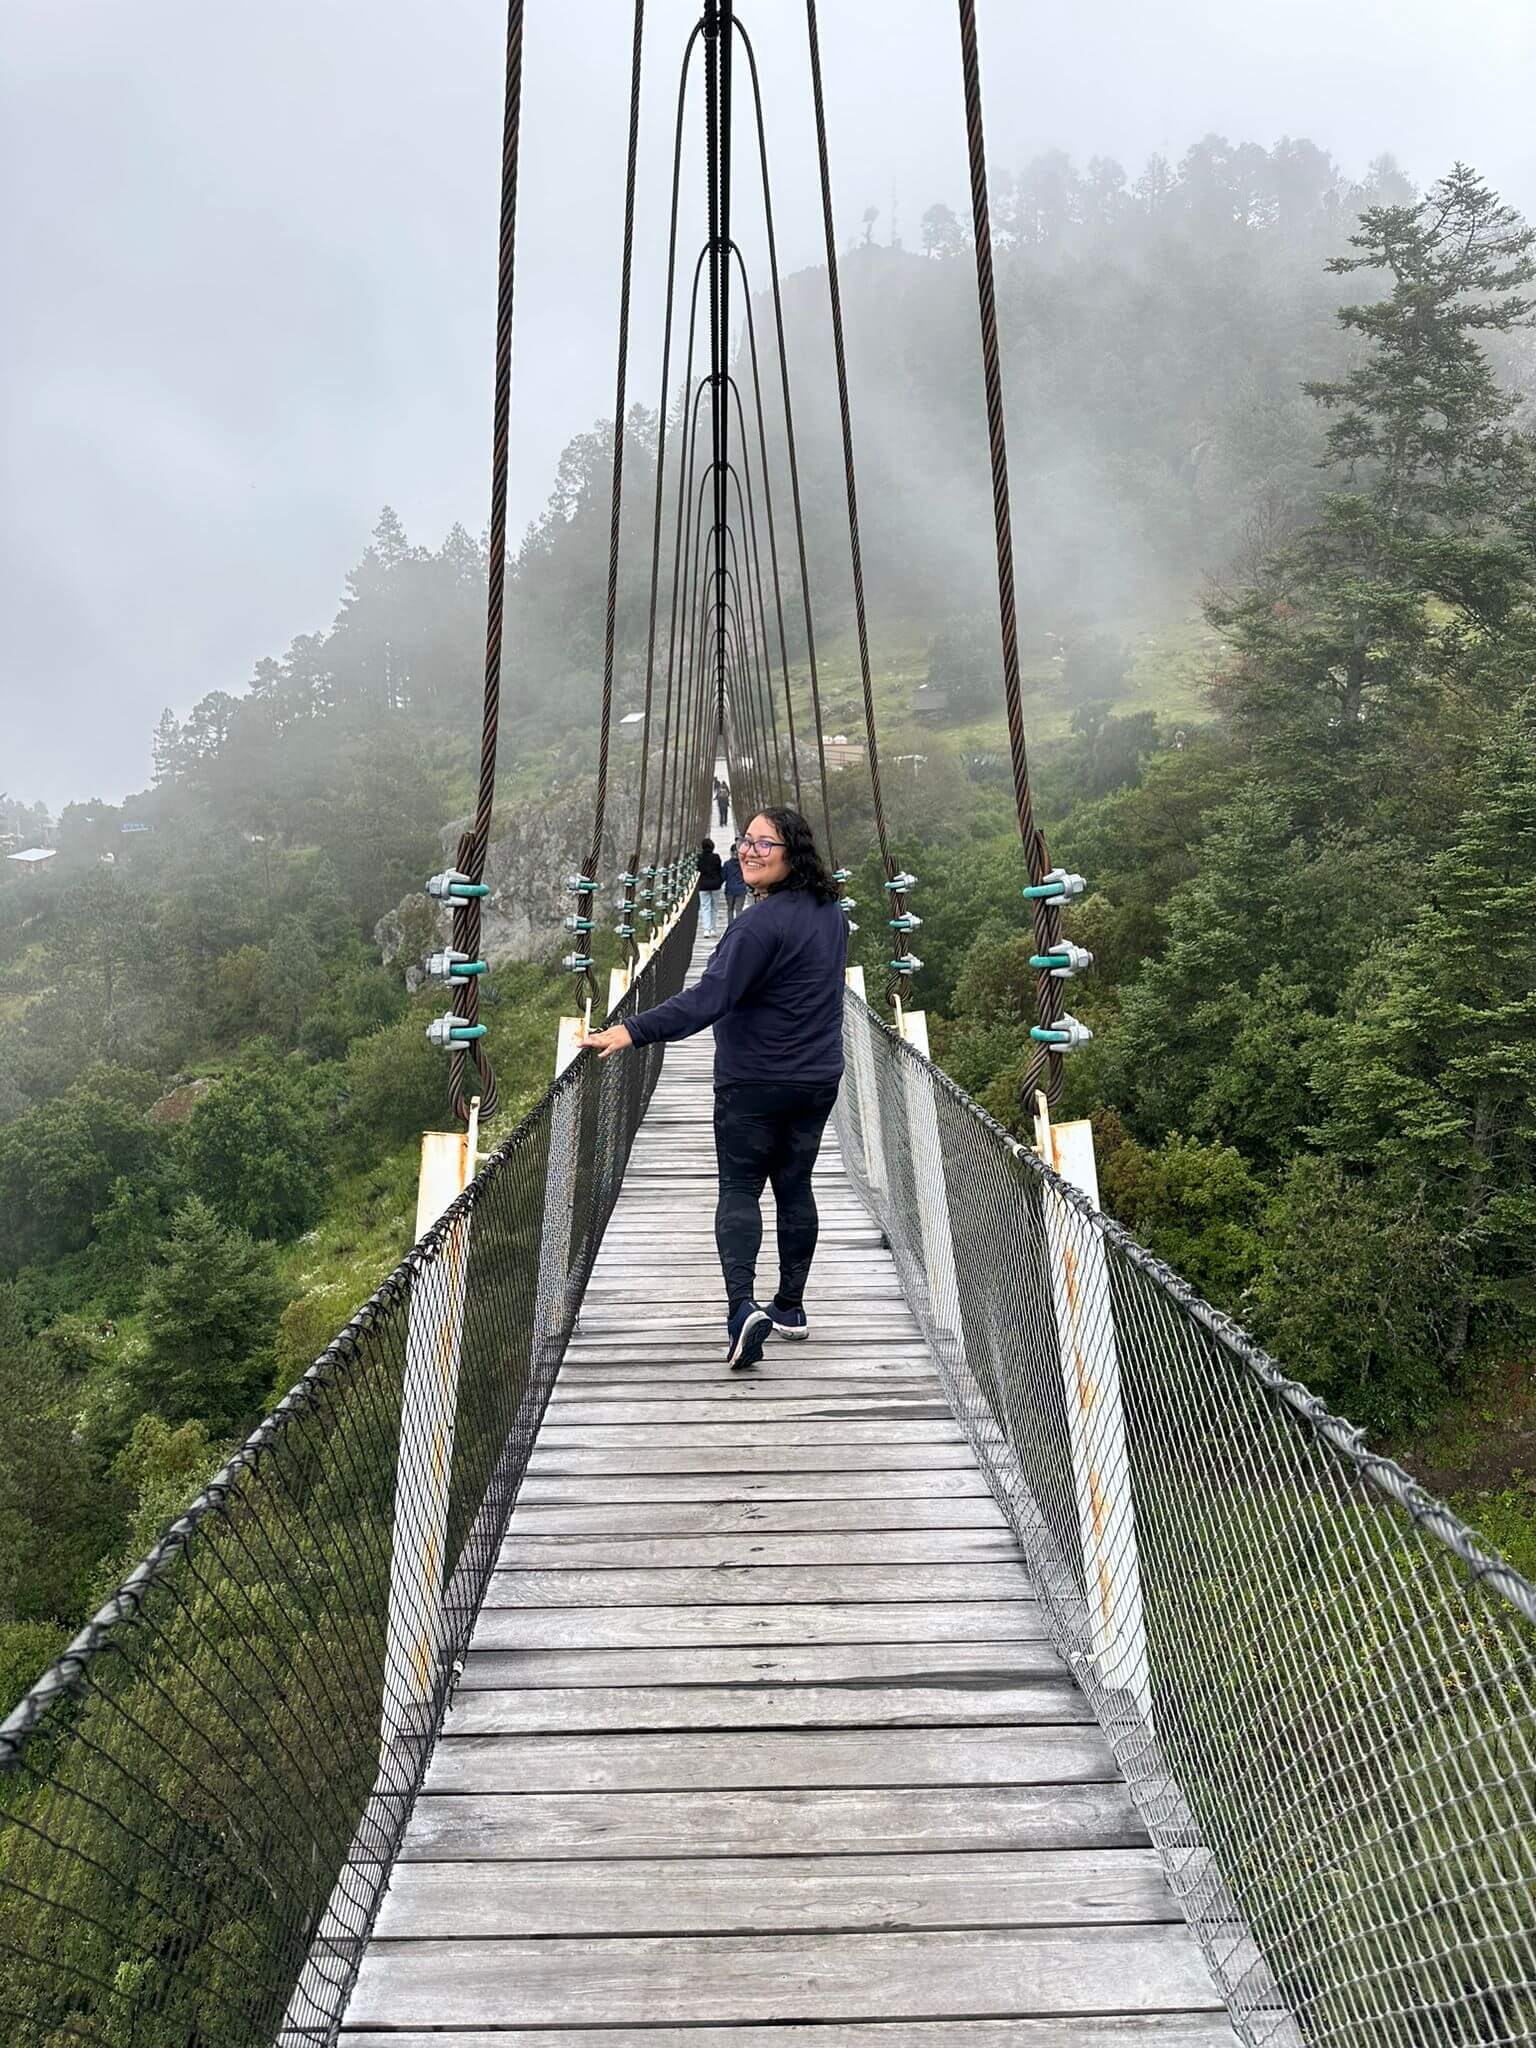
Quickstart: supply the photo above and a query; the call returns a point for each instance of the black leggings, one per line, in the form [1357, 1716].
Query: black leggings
[768, 1131]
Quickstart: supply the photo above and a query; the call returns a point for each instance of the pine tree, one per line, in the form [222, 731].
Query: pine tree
[1436, 1074]
[1417, 585]
[210, 1309]
[168, 751]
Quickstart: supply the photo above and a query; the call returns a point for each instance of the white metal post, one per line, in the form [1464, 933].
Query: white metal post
[424, 1469]
[867, 1090]
[1090, 1364]
[929, 1181]
[559, 1201]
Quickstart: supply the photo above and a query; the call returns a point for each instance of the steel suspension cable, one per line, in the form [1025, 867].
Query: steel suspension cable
[758, 650]
[791, 448]
[610, 624]
[470, 859]
[895, 896]
[773, 542]
[681, 558]
[632, 869]
[739, 613]
[1047, 916]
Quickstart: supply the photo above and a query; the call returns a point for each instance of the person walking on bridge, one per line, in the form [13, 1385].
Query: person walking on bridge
[773, 990]
[735, 886]
[711, 881]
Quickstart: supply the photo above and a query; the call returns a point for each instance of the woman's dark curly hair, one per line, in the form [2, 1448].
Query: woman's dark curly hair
[807, 870]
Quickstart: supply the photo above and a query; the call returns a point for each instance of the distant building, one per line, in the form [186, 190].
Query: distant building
[930, 700]
[33, 856]
[843, 752]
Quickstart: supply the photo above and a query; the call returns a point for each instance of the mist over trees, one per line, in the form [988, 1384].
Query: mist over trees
[1312, 899]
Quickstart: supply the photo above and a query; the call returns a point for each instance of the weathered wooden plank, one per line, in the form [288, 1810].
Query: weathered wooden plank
[741, 1460]
[1112, 2030]
[739, 1517]
[878, 1405]
[820, 1364]
[747, 1895]
[750, 1433]
[881, 1486]
[760, 1742]
[692, 1761]
[969, 1667]
[1046, 1700]
[710, 1978]
[914, 1819]
[781, 1585]
[842, 1621]
[758, 1548]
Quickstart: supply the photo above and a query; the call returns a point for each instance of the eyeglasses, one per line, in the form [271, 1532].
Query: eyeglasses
[764, 846]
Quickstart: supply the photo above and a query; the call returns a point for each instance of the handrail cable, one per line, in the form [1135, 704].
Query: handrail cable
[897, 897]
[1047, 914]
[470, 858]
[615, 517]
[791, 447]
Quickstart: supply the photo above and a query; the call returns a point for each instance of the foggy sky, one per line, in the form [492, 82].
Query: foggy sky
[247, 265]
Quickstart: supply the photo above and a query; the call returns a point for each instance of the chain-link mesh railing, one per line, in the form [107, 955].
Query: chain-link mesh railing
[1318, 1683]
[200, 1801]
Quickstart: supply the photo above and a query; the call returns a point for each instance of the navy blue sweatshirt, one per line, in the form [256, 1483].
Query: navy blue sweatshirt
[773, 990]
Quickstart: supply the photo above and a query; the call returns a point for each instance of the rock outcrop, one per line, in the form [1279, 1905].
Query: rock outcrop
[533, 849]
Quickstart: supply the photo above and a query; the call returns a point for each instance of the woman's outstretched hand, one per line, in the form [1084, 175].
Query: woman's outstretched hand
[615, 1039]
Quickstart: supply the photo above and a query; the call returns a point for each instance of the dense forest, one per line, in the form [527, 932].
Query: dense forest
[1277, 549]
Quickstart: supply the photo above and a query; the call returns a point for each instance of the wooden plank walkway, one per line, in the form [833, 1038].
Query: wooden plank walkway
[760, 1742]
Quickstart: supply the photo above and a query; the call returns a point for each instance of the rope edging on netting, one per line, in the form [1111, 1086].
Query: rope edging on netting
[325, 1379]
[1344, 1439]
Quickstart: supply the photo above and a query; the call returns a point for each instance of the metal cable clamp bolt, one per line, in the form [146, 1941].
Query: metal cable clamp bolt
[451, 885]
[1057, 886]
[909, 921]
[447, 1031]
[899, 885]
[1065, 1035]
[577, 963]
[454, 968]
[1063, 961]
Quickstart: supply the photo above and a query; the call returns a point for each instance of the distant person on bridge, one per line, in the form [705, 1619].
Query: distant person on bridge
[735, 886]
[773, 990]
[722, 798]
[711, 881]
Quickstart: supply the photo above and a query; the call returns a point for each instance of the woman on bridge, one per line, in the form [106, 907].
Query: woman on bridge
[773, 990]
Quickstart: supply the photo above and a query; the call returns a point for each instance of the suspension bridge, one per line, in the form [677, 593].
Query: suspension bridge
[1025, 1657]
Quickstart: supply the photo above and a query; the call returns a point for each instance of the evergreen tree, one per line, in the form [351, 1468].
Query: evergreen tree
[210, 1308]
[1436, 1074]
[168, 751]
[1422, 568]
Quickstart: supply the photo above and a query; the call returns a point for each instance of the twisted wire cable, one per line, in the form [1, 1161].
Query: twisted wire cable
[633, 864]
[615, 517]
[896, 897]
[1047, 916]
[773, 542]
[470, 859]
[790, 445]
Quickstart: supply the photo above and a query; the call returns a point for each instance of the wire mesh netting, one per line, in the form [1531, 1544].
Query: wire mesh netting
[200, 1801]
[1317, 1682]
